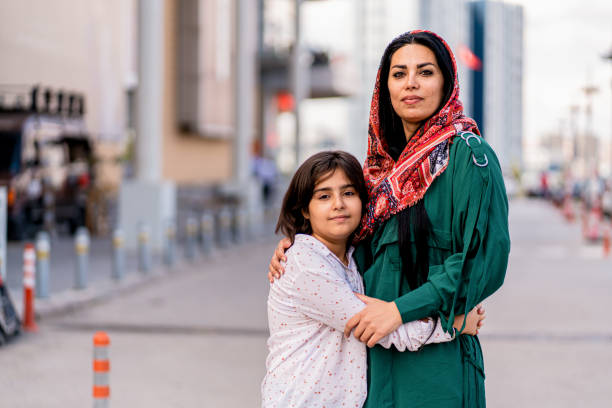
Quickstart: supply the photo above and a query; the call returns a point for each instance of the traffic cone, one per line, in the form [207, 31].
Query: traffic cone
[595, 218]
[29, 259]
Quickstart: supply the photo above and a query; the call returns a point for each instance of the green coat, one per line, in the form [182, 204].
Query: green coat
[468, 255]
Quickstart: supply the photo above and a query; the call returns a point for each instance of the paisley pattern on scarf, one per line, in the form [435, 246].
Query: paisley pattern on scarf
[394, 186]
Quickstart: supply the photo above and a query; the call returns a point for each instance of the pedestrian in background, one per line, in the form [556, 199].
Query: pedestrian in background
[434, 239]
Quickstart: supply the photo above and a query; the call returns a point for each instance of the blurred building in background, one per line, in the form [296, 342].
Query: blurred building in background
[452, 20]
[291, 73]
[185, 94]
[487, 40]
[497, 89]
[199, 137]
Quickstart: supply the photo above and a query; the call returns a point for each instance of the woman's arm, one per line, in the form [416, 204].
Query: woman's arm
[276, 269]
[476, 270]
[419, 332]
[324, 296]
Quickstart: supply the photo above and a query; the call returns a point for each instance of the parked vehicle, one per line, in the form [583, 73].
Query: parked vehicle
[45, 164]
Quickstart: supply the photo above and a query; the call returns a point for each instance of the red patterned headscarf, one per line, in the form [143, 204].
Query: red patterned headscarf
[394, 186]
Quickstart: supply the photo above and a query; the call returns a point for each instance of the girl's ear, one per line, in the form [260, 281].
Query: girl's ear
[305, 213]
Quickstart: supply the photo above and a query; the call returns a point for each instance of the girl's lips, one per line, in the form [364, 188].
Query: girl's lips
[340, 218]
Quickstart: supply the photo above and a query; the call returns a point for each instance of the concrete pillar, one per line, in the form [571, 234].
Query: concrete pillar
[149, 199]
[246, 49]
[150, 90]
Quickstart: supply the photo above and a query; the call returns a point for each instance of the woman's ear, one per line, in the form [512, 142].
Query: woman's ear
[305, 213]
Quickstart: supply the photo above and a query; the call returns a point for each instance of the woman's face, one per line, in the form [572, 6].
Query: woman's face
[415, 85]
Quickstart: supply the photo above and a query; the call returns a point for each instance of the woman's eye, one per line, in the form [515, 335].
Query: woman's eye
[398, 74]
[427, 72]
[349, 193]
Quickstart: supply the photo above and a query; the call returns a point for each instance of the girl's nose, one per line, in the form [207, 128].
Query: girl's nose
[339, 201]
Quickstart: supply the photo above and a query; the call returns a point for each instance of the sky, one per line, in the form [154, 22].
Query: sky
[564, 41]
[564, 44]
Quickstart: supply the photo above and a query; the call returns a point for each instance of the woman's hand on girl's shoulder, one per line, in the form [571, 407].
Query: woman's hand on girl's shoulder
[276, 269]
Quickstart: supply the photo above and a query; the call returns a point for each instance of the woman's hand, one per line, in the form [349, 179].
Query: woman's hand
[474, 321]
[275, 269]
[377, 320]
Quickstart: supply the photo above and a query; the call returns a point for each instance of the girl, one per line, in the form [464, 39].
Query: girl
[434, 239]
[310, 362]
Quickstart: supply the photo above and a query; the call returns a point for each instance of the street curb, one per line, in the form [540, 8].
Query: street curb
[71, 300]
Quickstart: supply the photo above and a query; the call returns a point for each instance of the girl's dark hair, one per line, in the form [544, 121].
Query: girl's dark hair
[315, 169]
[414, 225]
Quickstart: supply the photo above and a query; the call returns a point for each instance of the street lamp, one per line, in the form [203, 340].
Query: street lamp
[591, 152]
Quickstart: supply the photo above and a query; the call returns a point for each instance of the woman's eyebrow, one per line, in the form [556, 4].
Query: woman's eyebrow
[424, 64]
[421, 65]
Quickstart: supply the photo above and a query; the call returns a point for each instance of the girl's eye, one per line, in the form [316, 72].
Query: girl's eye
[323, 197]
[349, 193]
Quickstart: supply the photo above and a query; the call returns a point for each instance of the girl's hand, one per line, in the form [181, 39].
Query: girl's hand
[377, 320]
[473, 323]
[275, 269]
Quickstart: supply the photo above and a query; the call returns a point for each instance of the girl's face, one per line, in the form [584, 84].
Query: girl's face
[415, 85]
[334, 210]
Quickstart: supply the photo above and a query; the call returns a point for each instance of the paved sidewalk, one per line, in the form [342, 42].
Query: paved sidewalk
[192, 338]
[196, 337]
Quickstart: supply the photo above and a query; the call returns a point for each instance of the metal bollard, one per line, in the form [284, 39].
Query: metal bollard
[207, 229]
[243, 225]
[118, 254]
[144, 248]
[192, 231]
[170, 244]
[225, 225]
[101, 369]
[255, 221]
[43, 247]
[81, 246]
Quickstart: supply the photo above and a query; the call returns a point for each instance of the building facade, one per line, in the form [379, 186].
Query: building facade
[497, 90]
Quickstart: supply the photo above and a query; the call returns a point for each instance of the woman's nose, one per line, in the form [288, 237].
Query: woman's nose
[411, 81]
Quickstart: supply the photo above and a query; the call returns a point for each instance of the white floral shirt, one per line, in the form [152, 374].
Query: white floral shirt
[310, 362]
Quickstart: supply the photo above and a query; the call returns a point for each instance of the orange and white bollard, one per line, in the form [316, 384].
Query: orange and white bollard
[29, 280]
[594, 223]
[101, 368]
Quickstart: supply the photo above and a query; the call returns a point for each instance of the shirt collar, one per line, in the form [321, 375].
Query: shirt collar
[322, 249]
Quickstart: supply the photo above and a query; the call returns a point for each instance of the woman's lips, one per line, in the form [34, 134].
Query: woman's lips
[411, 100]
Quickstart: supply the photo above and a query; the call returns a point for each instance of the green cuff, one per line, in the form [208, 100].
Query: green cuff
[422, 302]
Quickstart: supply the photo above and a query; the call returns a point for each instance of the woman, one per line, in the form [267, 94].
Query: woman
[434, 240]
